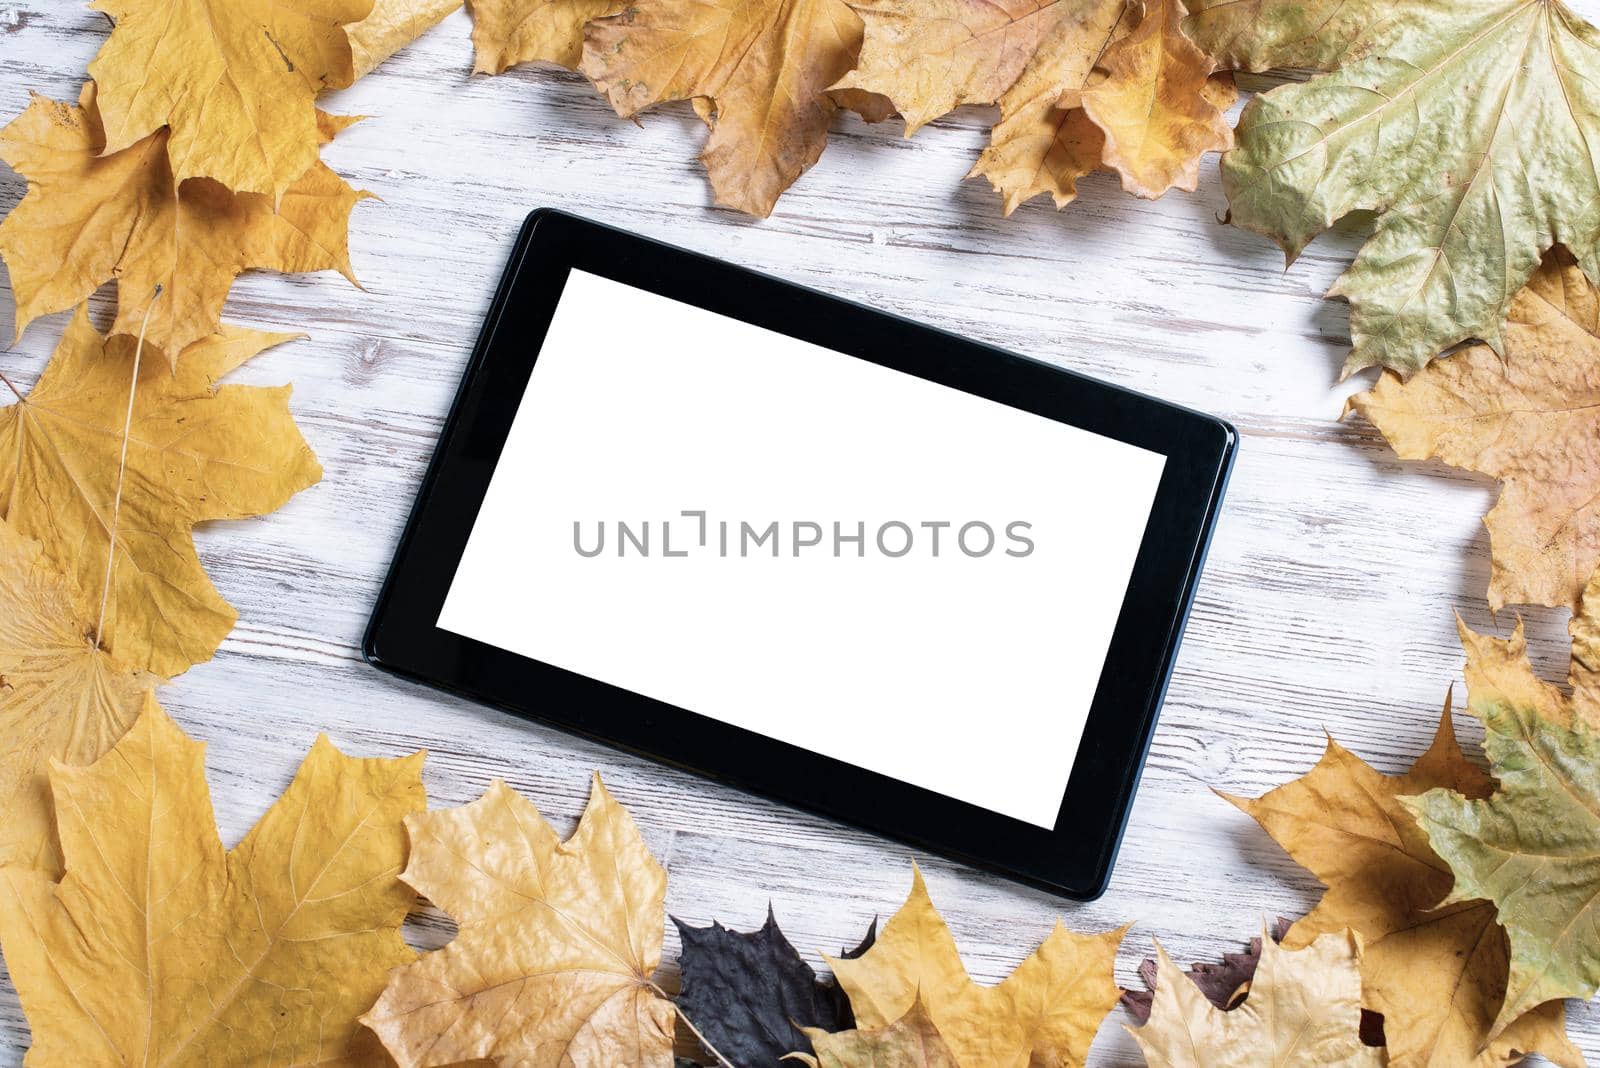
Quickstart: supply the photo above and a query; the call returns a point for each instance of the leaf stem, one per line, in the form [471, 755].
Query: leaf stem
[9, 386]
[122, 469]
[693, 1030]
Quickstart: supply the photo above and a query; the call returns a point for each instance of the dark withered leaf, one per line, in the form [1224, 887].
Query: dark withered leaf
[749, 993]
[1219, 982]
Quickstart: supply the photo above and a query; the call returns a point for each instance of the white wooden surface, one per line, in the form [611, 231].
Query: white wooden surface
[1328, 601]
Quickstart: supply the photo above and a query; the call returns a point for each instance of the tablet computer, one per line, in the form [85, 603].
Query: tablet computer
[814, 550]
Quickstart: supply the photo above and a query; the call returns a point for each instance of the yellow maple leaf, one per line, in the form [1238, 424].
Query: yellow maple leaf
[508, 32]
[234, 81]
[1437, 974]
[61, 697]
[1530, 419]
[1303, 1011]
[160, 948]
[90, 217]
[757, 71]
[390, 26]
[1045, 1012]
[558, 941]
[1157, 104]
[195, 451]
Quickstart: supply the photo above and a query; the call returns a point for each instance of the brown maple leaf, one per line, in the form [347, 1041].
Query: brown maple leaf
[1436, 973]
[758, 72]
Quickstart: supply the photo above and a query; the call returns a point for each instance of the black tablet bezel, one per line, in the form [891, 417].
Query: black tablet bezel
[1076, 857]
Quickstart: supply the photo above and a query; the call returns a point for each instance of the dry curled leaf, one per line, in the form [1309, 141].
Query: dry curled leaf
[1157, 104]
[1436, 974]
[1530, 419]
[558, 941]
[1529, 846]
[910, 1042]
[1304, 1011]
[390, 26]
[1081, 86]
[196, 451]
[90, 217]
[1045, 1012]
[233, 80]
[508, 32]
[757, 71]
[161, 948]
[928, 57]
[1470, 130]
[1039, 146]
[61, 697]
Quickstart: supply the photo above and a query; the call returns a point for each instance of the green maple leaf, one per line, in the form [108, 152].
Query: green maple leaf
[1471, 127]
[1533, 848]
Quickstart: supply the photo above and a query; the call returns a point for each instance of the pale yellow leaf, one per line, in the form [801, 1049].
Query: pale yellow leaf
[1303, 1011]
[508, 32]
[930, 56]
[197, 451]
[558, 941]
[1045, 1012]
[160, 949]
[61, 697]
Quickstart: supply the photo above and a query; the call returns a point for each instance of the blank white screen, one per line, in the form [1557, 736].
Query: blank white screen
[968, 675]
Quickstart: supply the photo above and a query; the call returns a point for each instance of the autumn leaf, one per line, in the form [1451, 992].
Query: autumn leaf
[1470, 130]
[757, 70]
[196, 451]
[1531, 420]
[931, 56]
[91, 217]
[508, 32]
[233, 80]
[1156, 105]
[1257, 35]
[558, 941]
[390, 26]
[1039, 146]
[1499, 667]
[61, 697]
[1223, 983]
[1304, 1011]
[160, 947]
[1047, 1010]
[751, 994]
[1529, 846]
[1436, 974]
[910, 1042]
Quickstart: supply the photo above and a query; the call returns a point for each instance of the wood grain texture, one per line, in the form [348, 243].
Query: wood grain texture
[1328, 602]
